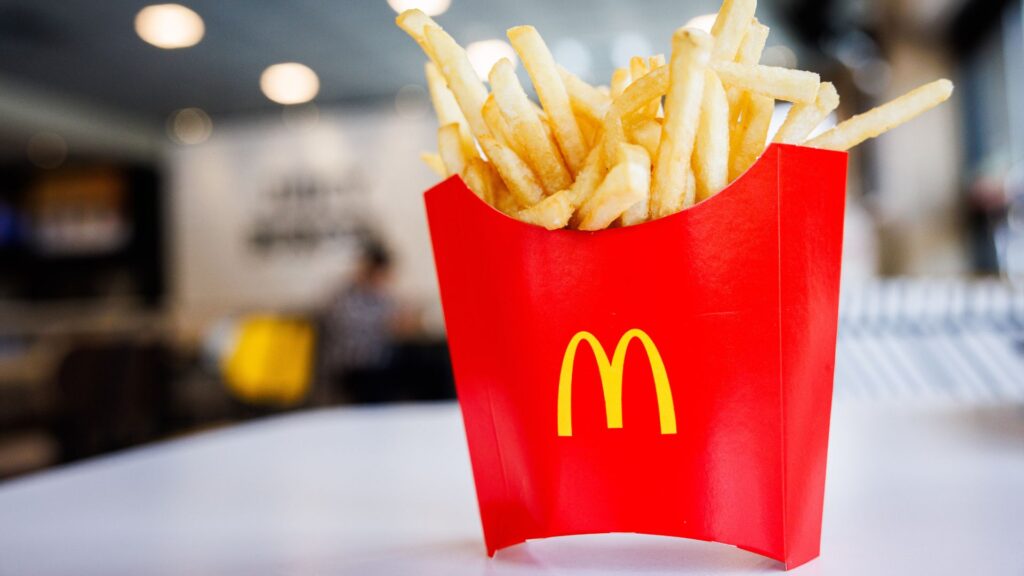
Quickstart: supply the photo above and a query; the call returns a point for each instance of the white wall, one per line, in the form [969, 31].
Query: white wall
[216, 190]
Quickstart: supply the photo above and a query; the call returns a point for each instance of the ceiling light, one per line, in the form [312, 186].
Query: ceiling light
[484, 54]
[289, 83]
[429, 7]
[703, 22]
[169, 26]
[189, 126]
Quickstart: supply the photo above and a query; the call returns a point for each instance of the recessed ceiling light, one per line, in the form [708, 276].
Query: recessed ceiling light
[289, 83]
[703, 22]
[189, 126]
[429, 7]
[169, 26]
[484, 54]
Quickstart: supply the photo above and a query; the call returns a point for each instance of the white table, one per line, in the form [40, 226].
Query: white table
[936, 489]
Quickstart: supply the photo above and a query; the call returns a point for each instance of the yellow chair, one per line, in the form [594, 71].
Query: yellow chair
[272, 363]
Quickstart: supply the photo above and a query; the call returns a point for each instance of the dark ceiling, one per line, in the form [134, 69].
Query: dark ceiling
[89, 50]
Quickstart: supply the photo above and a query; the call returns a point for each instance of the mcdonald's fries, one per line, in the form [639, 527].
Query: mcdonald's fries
[658, 139]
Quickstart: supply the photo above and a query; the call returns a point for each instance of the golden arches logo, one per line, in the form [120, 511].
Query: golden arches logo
[611, 380]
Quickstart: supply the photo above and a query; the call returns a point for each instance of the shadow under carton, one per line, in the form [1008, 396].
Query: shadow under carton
[720, 321]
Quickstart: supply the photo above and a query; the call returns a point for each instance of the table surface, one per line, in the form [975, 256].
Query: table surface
[913, 488]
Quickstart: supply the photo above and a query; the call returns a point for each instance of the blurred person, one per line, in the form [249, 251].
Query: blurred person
[359, 331]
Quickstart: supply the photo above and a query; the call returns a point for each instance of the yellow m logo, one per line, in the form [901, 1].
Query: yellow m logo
[611, 381]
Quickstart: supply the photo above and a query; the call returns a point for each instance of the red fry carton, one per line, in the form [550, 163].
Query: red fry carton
[671, 378]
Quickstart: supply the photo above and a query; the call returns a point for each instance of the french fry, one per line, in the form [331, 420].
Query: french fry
[754, 40]
[691, 51]
[477, 179]
[590, 129]
[462, 80]
[750, 53]
[450, 147]
[499, 128]
[552, 212]
[757, 118]
[589, 178]
[731, 24]
[648, 89]
[626, 184]
[884, 118]
[620, 80]
[638, 68]
[585, 99]
[640, 211]
[414, 22]
[522, 183]
[711, 153]
[646, 134]
[778, 83]
[551, 92]
[802, 119]
[539, 148]
[434, 162]
[501, 198]
[655, 62]
[447, 109]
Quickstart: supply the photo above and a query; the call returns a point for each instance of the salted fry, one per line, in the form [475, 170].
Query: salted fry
[551, 92]
[638, 68]
[757, 119]
[450, 148]
[521, 181]
[646, 134]
[477, 179]
[691, 51]
[655, 62]
[414, 23]
[733, 18]
[750, 51]
[499, 128]
[711, 153]
[754, 40]
[585, 99]
[648, 89]
[884, 118]
[620, 80]
[778, 83]
[626, 184]
[802, 119]
[462, 80]
[447, 109]
[552, 212]
[434, 162]
[640, 211]
[589, 178]
[501, 198]
[539, 148]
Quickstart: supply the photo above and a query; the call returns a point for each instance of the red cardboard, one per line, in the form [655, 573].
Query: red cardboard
[671, 378]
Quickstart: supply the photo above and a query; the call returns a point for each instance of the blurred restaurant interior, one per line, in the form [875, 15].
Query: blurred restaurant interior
[192, 200]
